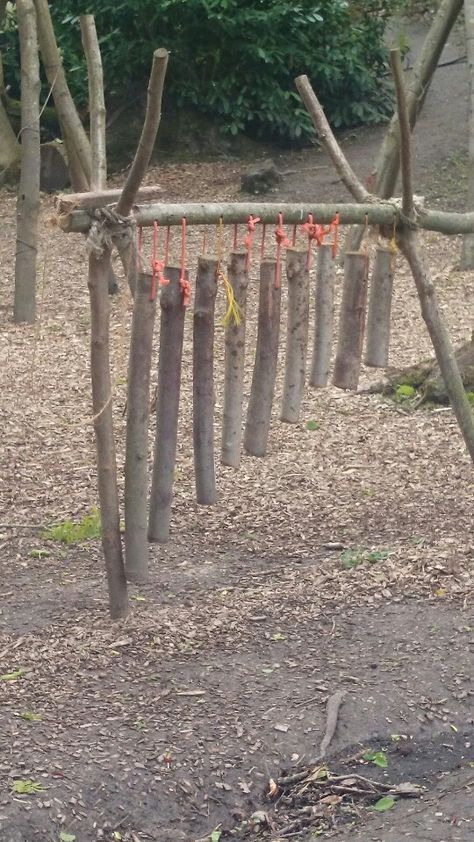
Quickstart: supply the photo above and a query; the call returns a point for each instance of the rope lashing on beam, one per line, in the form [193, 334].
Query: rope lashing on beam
[105, 226]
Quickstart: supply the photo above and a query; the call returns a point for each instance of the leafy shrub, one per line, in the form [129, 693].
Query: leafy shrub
[235, 60]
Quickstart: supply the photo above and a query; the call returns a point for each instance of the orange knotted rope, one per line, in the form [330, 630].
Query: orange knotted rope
[282, 241]
[248, 241]
[183, 282]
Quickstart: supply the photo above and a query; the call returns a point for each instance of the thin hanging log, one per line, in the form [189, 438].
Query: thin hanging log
[380, 306]
[234, 364]
[297, 274]
[351, 321]
[167, 406]
[136, 447]
[203, 380]
[266, 359]
[28, 200]
[324, 317]
[99, 268]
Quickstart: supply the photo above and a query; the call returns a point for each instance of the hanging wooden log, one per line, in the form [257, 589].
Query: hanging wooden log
[136, 447]
[351, 321]
[297, 274]
[167, 406]
[266, 358]
[203, 380]
[380, 305]
[99, 267]
[324, 317]
[234, 364]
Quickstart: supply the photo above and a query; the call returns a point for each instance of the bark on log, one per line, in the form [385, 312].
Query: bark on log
[234, 365]
[266, 358]
[66, 203]
[91, 47]
[136, 442]
[384, 213]
[203, 380]
[28, 201]
[104, 434]
[351, 322]
[74, 135]
[324, 317]
[380, 306]
[297, 273]
[167, 406]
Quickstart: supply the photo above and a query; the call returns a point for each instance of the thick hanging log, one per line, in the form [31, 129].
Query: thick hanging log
[351, 321]
[297, 274]
[167, 406]
[324, 317]
[266, 359]
[234, 364]
[380, 306]
[99, 268]
[136, 447]
[203, 380]
[28, 200]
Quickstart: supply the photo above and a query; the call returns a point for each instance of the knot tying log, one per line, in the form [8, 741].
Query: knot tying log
[107, 224]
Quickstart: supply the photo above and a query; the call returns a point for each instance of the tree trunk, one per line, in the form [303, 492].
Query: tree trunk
[74, 135]
[104, 434]
[297, 334]
[351, 322]
[136, 442]
[266, 358]
[10, 150]
[380, 306]
[167, 406]
[28, 190]
[203, 381]
[324, 317]
[96, 102]
[467, 250]
[234, 364]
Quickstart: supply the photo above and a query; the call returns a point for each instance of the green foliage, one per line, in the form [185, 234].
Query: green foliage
[13, 676]
[26, 787]
[354, 557]
[404, 392]
[379, 758]
[470, 397]
[384, 804]
[71, 532]
[236, 60]
[30, 716]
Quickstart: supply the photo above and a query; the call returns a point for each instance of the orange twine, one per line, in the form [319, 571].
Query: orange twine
[282, 241]
[248, 242]
[183, 282]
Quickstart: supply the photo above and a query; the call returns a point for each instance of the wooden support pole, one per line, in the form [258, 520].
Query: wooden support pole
[380, 305]
[297, 274]
[324, 317]
[167, 406]
[203, 380]
[99, 268]
[136, 446]
[266, 359]
[351, 321]
[234, 364]
[28, 199]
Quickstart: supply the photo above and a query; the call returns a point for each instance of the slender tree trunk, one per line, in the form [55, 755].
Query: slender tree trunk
[324, 317]
[467, 251]
[351, 322]
[96, 102]
[380, 306]
[203, 381]
[234, 365]
[297, 334]
[266, 358]
[74, 135]
[28, 191]
[167, 406]
[136, 443]
[104, 434]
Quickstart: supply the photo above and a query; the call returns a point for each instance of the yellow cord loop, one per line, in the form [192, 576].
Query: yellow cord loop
[233, 314]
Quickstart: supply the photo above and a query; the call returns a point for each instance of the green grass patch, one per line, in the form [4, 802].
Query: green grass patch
[74, 532]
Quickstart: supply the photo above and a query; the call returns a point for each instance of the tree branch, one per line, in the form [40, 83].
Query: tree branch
[405, 133]
[91, 47]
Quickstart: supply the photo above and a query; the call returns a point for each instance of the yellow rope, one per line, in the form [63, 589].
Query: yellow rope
[233, 314]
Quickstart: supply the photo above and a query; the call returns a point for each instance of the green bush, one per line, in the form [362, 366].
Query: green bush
[235, 60]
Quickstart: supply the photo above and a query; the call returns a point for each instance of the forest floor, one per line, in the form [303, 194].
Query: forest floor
[343, 560]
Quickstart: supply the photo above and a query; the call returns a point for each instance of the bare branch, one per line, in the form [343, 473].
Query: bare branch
[324, 131]
[91, 47]
[149, 131]
[405, 133]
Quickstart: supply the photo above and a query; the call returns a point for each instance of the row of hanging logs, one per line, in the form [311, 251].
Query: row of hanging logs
[173, 285]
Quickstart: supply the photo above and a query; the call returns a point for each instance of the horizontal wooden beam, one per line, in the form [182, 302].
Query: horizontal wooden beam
[210, 213]
[68, 202]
